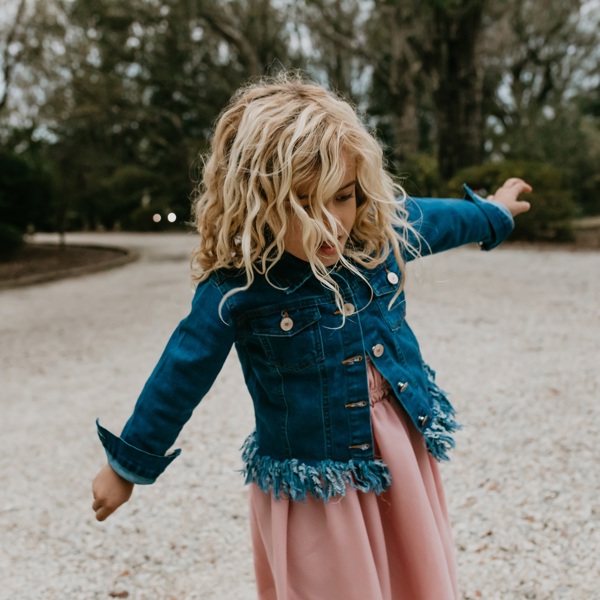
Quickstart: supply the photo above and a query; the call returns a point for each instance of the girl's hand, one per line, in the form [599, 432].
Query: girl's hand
[110, 491]
[508, 195]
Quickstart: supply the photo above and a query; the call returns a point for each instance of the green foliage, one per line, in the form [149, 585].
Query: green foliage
[157, 75]
[124, 192]
[142, 219]
[11, 239]
[570, 142]
[552, 206]
[26, 193]
[419, 176]
[586, 173]
[124, 103]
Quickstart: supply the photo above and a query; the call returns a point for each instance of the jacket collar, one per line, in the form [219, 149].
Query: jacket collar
[290, 272]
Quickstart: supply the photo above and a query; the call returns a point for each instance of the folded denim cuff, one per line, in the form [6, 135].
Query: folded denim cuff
[131, 463]
[125, 474]
[500, 219]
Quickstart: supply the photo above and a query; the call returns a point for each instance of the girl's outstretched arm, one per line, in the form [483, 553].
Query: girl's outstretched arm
[110, 491]
[441, 223]
[184, 373]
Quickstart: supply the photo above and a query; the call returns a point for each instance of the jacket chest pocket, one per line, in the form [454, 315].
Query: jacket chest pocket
[291, 339]
[385, 284]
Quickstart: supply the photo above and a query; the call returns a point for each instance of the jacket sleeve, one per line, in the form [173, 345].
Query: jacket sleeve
[442, 224]
[189, 365]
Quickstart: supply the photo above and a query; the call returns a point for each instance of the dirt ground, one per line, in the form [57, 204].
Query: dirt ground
[514, 336]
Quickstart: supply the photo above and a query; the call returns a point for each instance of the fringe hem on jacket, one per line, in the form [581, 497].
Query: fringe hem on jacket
[442, 423]
[293, 479]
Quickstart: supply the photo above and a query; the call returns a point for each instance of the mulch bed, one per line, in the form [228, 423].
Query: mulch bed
[35, 263]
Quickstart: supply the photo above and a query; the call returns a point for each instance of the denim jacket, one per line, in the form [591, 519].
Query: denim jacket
[306, 373]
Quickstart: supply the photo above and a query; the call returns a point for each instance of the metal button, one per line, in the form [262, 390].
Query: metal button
[349, 309]
[392, 278]
[352, 360]
[402, 385]
[378, 350]
[360, 447]
[359, 404]
[422, 419]
[286, 324]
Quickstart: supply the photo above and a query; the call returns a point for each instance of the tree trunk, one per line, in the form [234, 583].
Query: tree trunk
[406, 129]
[457, 95]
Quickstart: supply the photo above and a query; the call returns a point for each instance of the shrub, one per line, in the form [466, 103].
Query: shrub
[419, 175]
[141, 219]
[26, 193]
[552, 206]
[11, 240]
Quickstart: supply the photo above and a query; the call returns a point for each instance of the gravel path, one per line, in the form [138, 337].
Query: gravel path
[513, 334]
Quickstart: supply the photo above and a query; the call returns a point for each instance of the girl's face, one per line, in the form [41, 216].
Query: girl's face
[342, 206]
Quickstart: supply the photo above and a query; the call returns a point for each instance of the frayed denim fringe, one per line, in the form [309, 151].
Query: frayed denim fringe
[438, 434]
[293, 479]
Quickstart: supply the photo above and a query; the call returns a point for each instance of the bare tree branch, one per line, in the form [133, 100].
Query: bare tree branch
[221, 25]
[8, 62]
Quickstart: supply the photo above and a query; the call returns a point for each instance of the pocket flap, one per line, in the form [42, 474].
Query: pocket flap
[278, 324]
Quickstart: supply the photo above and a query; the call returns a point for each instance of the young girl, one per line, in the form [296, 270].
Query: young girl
[303, 244]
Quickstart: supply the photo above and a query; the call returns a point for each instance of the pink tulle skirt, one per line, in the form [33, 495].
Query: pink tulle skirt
[395, 546]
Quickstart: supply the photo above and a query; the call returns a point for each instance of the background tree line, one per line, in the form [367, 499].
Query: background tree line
[105, 105]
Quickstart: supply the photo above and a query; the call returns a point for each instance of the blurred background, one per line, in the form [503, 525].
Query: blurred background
[105, 105]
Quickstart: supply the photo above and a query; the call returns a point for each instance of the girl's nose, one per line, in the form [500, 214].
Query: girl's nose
[334, 227]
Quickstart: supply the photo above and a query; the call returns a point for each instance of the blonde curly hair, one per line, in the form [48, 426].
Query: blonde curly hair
[274, 138]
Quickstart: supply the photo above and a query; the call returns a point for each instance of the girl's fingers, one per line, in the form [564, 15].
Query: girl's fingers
[522, 207]
[102, 511]
[525, 187]
[508, 194]
[102, 514]
[514, 182]
[99, 509]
